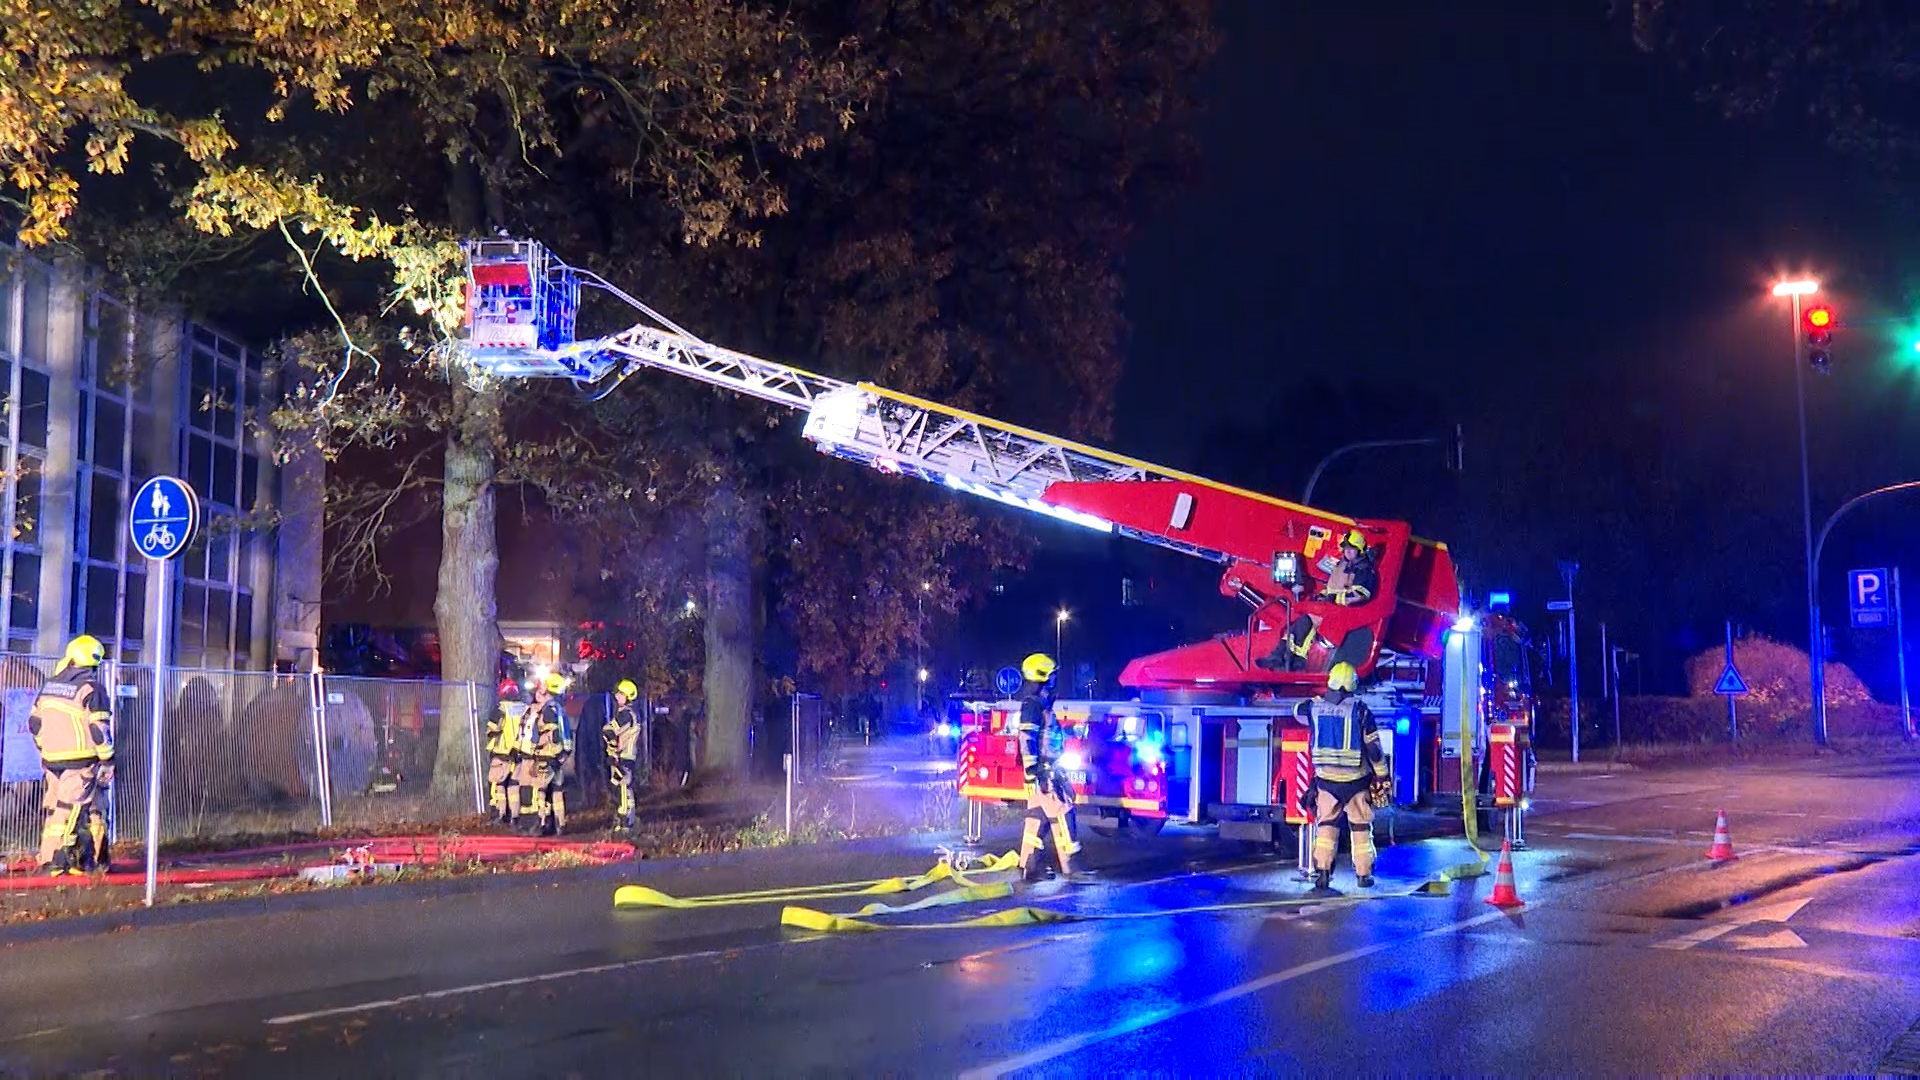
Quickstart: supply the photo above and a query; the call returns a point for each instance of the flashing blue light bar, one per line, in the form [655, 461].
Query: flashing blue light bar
[1403, 725]
[1147, 752]
[1499, 599]
[1465, 624]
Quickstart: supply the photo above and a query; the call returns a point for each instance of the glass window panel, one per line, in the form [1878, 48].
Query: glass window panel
[6, 386]
[251, 392]
[243, 630]
[34, 386]
[227, 405]
[249, 481]
[75, 578]
[6, 309]
[103, 519]
[193, 564]
[112, 346]
[128, 654]
[26, 502]
[148, 446]
[220, 556]
[103, 600]
[80, 447]
[200, 390]
[25, 609]
[219, 620]
[34, 296]
[193, 618]
[109, 433]
[136, 605]
[226, 474]
[203, 336]
[200, 463]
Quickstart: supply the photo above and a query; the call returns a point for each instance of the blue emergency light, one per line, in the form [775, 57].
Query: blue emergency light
[1499, 600]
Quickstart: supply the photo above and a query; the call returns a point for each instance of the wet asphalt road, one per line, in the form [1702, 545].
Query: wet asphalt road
[1634, 954]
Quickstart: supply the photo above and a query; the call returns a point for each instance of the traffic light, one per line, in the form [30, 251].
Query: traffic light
[1819, 328]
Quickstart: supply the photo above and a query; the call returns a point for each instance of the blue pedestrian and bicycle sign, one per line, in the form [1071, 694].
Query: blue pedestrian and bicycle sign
[1868, 597]
[1008, 680]
[164, 514]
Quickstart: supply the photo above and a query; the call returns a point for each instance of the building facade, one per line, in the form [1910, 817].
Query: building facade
[100, 396]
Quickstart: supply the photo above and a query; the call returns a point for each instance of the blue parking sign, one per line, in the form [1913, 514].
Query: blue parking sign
[163, 517]
[1868, 597]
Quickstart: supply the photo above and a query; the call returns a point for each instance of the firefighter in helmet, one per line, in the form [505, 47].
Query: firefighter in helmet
[1349, 775]
[1049, 797]
[1353, 581]
[545, 745]
[72, 726]
[621, 739]
[503, 757]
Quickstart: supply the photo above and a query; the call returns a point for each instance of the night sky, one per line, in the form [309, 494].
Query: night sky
[1505, 215]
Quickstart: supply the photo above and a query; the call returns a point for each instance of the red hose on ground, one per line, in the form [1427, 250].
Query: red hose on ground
[390, 850]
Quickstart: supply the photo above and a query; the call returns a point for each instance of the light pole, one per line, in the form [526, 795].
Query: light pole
[1816, 675]
[1455, 456]
[921, 602]
[1059, 627]
[1818, 653]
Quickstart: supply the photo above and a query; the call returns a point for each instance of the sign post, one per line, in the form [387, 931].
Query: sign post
[1731, 686]
[161, 522]
[1900, 654]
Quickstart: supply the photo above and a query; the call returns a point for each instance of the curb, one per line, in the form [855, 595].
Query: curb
[1584, 768]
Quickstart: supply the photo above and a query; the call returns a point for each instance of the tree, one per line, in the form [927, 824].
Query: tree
[268, 117]
[1844, 63]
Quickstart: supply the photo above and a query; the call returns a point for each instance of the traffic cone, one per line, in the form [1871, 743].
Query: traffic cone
[1722, 841]
[1504, 894]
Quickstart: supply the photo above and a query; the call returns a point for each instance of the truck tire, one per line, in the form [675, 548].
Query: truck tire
[1148, 826]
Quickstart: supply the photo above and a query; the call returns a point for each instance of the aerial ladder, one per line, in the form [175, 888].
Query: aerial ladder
[522, 308]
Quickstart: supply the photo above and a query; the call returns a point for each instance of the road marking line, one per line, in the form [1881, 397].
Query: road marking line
[525, 980]
[1778, 912]
[1075, 1043]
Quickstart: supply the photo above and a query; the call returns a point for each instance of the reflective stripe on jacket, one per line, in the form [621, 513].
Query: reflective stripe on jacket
[71, 722]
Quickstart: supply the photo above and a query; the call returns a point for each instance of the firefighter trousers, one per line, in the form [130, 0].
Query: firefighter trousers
[1044, 807]
[620, 775]
[501, 769]
[539, 782]
[70, 792]
[1357, 808]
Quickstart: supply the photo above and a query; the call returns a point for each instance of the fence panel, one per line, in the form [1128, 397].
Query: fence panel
[384, 750]
[239, 752]
[809, 739]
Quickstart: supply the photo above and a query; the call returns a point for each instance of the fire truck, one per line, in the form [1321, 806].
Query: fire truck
[1206, 735]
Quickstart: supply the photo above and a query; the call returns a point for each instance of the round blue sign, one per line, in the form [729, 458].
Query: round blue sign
[1008, 680]
[163, 517]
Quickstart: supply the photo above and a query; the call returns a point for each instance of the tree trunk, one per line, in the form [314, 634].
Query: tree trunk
[464, 606]
[732, 530]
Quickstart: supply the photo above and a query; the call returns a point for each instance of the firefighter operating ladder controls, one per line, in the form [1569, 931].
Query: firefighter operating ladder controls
[1281, 559]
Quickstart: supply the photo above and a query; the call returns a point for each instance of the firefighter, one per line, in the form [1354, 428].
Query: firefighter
[1354, 579]
[621, 738]
[503, 758]
[1049, 796]
[72, 727]
[1349, 775]
[545, 745]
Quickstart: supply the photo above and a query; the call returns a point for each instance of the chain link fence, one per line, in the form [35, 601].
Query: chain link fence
[249, 753]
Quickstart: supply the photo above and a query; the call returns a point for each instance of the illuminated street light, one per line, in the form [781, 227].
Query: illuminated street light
[1059, 625]
[1816, 676]
[923, 675]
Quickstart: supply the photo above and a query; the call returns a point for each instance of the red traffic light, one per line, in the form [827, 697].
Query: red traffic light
[1819, 318]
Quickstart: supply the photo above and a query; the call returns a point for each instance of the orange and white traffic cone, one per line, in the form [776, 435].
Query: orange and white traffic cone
[1504, 894]
[1722, 841]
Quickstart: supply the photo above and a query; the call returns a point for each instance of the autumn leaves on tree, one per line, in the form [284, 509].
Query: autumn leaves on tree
[932, 196]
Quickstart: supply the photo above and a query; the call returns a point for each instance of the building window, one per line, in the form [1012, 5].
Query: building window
[224, 383]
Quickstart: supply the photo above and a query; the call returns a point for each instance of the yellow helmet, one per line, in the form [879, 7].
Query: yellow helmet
[1343, 677]
[556, 682]
[84, 651]
[1354, 539]
[626, 689]
[1038, 668]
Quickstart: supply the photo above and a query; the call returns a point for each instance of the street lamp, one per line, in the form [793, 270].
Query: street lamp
[1816, 678]
[1059, 625]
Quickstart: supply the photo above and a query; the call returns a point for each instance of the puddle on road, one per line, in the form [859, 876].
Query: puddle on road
[1702, 909]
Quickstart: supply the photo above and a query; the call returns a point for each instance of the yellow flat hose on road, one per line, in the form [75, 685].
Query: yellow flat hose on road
[642, 896]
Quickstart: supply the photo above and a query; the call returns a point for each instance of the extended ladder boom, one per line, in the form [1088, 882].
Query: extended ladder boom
[522, 304]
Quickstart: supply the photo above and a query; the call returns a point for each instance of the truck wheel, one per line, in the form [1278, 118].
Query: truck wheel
[1148, 826]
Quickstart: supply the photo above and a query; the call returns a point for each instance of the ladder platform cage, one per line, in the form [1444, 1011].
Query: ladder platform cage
[522, 304]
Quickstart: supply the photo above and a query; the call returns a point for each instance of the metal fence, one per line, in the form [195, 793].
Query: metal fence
[256, 753]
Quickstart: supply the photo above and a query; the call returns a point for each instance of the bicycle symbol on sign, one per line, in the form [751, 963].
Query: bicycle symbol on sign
[159, 538]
